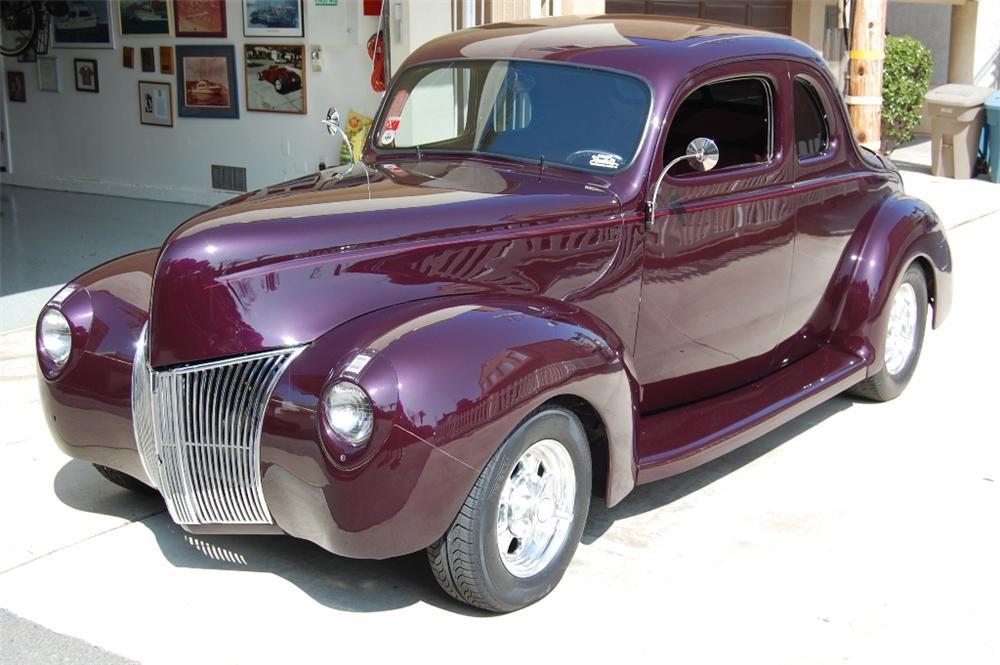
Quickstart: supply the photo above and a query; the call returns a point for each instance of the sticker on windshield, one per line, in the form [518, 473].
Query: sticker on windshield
[389, 128]
[605, 161]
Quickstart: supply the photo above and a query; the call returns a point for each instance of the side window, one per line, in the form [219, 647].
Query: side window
[811, 133]
[736, 114]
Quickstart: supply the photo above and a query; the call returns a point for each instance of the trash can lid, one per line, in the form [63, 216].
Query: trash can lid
[958, 94]
[993, 101]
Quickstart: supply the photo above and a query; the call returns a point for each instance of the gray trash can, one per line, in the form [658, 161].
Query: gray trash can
[957, 116]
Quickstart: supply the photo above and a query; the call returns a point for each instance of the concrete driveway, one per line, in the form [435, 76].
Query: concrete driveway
[863, 533]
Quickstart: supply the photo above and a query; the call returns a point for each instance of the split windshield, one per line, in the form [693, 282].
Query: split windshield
[565, 115]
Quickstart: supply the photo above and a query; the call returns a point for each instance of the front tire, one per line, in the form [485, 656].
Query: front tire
[519, 527]
[903, 339]
[124, 480]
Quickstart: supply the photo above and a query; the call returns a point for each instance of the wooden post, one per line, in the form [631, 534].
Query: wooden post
[865, 84]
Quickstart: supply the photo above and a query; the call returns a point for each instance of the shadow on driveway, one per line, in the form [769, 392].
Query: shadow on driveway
[357, 585]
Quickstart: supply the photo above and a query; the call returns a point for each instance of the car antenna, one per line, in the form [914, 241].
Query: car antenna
[541, 164]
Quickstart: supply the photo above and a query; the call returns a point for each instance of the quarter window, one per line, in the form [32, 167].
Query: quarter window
[736, 114]
[811, 133]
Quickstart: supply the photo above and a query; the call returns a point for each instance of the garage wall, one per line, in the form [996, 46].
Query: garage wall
[89, 142]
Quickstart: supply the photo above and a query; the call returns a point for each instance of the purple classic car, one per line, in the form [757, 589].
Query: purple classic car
[576, 255]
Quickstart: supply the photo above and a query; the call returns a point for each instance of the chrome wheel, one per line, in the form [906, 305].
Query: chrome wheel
[900, 338]
[536, 508]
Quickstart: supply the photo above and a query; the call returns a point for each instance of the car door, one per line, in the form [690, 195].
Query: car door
[718, 257]
[834, 192]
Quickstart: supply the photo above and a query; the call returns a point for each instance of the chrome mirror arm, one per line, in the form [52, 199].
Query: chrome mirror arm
[651, 203]
[701, 153]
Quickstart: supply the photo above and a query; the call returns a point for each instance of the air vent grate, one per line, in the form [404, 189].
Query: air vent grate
[229, 178]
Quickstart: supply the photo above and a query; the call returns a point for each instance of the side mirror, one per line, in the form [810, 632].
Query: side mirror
[702, 154]
[332, 123]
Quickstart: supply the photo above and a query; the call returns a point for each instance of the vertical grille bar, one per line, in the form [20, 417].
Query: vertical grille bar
[198, 428]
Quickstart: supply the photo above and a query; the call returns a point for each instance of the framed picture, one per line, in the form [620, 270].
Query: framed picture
[206, 82]
[200, 18]
[166, 59]
[275, 77]
[273, 18]
[128, 57]
[86, 74]
[87, 24]
[137, 18]
[49, 75]
[15, 87]
[155, 104]
[147, 56]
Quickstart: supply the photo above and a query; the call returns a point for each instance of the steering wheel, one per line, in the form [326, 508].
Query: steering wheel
[586, 155]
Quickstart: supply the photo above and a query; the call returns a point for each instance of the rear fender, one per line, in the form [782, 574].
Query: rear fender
[904, 230]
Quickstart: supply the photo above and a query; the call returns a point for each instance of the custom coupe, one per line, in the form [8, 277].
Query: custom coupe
[575, 255]
[283, 79]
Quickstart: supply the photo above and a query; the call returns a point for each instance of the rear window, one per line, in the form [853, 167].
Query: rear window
[568, 116]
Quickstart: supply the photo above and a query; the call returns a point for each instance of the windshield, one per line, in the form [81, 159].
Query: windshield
[565, 115]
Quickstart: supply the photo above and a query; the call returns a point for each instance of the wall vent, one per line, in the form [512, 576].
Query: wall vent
[229, 178]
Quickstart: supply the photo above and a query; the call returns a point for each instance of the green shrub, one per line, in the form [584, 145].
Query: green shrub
[905, 78]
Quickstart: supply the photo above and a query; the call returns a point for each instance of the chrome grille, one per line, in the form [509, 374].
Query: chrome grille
[198, 432]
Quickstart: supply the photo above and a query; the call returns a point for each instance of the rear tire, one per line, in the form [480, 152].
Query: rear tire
[519, 527]
[124, 480]
[901, 352]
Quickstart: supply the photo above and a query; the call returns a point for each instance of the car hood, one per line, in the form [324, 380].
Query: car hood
[282, 265]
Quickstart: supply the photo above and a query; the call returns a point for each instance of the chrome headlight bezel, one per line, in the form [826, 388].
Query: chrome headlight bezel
[55, 341]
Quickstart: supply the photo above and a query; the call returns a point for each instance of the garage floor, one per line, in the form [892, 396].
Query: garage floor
[47, 238]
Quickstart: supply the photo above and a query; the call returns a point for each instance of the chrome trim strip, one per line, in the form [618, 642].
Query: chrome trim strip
[198, 433]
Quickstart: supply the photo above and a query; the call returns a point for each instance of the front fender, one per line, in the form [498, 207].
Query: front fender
[904, 230]
[450, 379]
[88, 407]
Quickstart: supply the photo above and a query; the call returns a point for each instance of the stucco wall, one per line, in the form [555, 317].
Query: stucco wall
[930, 24]
[94, 142]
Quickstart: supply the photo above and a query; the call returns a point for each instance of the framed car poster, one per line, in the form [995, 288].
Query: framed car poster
[206, 82]
[275, 77]
[273, 18]
[155, 105]
[86, 24]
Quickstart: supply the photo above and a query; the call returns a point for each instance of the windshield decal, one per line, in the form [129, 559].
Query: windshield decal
[389, 128]
[605, 161]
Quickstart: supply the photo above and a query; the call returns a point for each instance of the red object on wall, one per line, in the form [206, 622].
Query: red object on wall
[376, 51]
[372, 7]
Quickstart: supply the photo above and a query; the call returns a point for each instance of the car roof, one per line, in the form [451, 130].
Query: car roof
[655, 47]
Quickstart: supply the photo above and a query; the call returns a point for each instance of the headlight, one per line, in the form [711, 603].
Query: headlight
[348, 412]
[55, 338]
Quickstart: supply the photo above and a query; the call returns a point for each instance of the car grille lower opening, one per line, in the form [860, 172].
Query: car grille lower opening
[197, 430]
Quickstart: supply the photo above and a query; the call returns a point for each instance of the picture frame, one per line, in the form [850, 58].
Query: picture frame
[166, 59]
[200, 18]
[273, 18]
[88, 24]
[156, 106]
[145, 18]
[49, 74]
[128, 57]
[16, 90]
[206, 82]
[147, 59]
[85, 75]
[275, 78]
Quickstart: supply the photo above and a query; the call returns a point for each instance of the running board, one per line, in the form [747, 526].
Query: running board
[680, 439]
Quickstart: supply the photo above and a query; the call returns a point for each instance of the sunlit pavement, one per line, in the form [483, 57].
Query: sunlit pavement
[862, 533]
